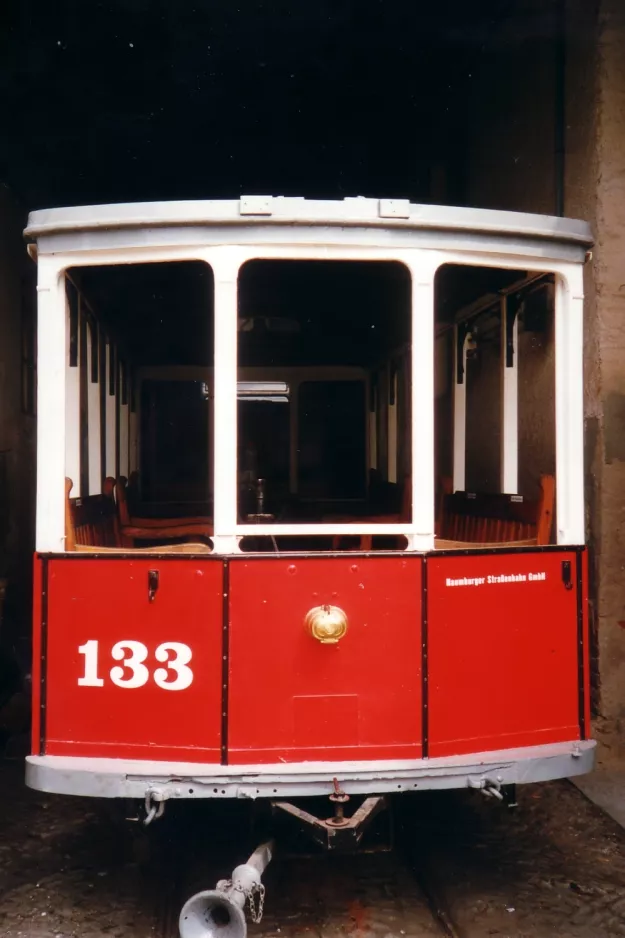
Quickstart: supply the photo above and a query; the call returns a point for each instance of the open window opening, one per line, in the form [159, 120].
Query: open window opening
[333, 447]
[495, 407]
[138, 409]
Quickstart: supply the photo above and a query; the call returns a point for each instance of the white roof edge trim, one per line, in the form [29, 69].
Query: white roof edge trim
[298, 211]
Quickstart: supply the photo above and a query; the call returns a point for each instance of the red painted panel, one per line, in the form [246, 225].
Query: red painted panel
[586, 641]
[292, 698]
[105, 601]
[36, 663]
[502, 655]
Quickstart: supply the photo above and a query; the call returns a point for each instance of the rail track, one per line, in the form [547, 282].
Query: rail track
[377, 893]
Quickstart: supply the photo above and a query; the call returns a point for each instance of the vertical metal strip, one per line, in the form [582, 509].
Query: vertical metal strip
[118, 418]
[581, 656]
[44, 656]
[102, 383]
[459, 408]
[83, 403]
[225, 662]
[425, 721]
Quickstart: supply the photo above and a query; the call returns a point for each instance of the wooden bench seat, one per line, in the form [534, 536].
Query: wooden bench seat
[92, 525]
[474, 519]
[130, 518]
[485, 519]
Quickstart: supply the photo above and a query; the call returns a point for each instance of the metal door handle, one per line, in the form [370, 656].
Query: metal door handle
[567, 578]
[152, 585]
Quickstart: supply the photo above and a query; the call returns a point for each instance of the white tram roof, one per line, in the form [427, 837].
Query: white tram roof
[267, 219]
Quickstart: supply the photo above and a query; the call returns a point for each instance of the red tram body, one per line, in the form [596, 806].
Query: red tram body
[440, 658]
[309, 619]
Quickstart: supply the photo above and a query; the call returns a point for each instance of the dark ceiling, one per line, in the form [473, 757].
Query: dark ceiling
[126, 100]
[335, 313]
[302, 312]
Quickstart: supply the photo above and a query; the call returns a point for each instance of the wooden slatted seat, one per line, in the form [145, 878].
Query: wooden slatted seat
[466, 519]
[92, 525]
[148, 529]
[91, 521]
[485, 519]
[131, 511]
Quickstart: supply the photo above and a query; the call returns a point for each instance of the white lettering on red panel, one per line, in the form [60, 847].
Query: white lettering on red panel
[496, 578]
[132, 672]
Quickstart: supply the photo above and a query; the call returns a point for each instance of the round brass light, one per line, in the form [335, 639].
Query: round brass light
[328, 624]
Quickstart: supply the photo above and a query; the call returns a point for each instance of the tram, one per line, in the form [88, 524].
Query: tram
[310, 508]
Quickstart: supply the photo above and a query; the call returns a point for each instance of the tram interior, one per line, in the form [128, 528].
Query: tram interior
[324, 399]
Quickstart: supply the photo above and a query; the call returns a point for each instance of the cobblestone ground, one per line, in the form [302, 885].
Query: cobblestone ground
[554, 867]
[64, 870]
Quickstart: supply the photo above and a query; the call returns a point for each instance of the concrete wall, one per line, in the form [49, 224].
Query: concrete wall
[512, 164]
[17, 429]
[581, 179]
[511, 148]
[606, 371]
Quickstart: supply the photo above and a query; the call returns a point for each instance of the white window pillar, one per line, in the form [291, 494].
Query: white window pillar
[570, 406]
[111, 449]
[509, 440]
[460, 411]
[392, 426]
[423, 270]
[93, 417]
[52, 332]
[225, 262]
[72, 400]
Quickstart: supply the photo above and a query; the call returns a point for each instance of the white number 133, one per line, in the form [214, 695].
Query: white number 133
[132, 671]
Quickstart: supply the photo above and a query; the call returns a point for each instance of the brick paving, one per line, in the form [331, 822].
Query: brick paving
[554, 867]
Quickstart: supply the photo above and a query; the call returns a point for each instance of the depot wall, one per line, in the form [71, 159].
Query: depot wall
[17, 423]
[513, 164]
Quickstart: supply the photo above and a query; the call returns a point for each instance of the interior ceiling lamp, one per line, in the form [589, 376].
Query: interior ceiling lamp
[274, 392]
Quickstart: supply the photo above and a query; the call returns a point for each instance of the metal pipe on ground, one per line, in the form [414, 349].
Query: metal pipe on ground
[220, 912]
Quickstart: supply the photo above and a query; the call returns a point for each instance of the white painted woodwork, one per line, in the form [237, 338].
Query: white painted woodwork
[569, 329]
[460, 414]
[392, 429]
[509, 407]
[52, 332]
[110, 418]
[423, 269]
[225, 264]
[93, 422]
[218, 233]
[72, 407]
